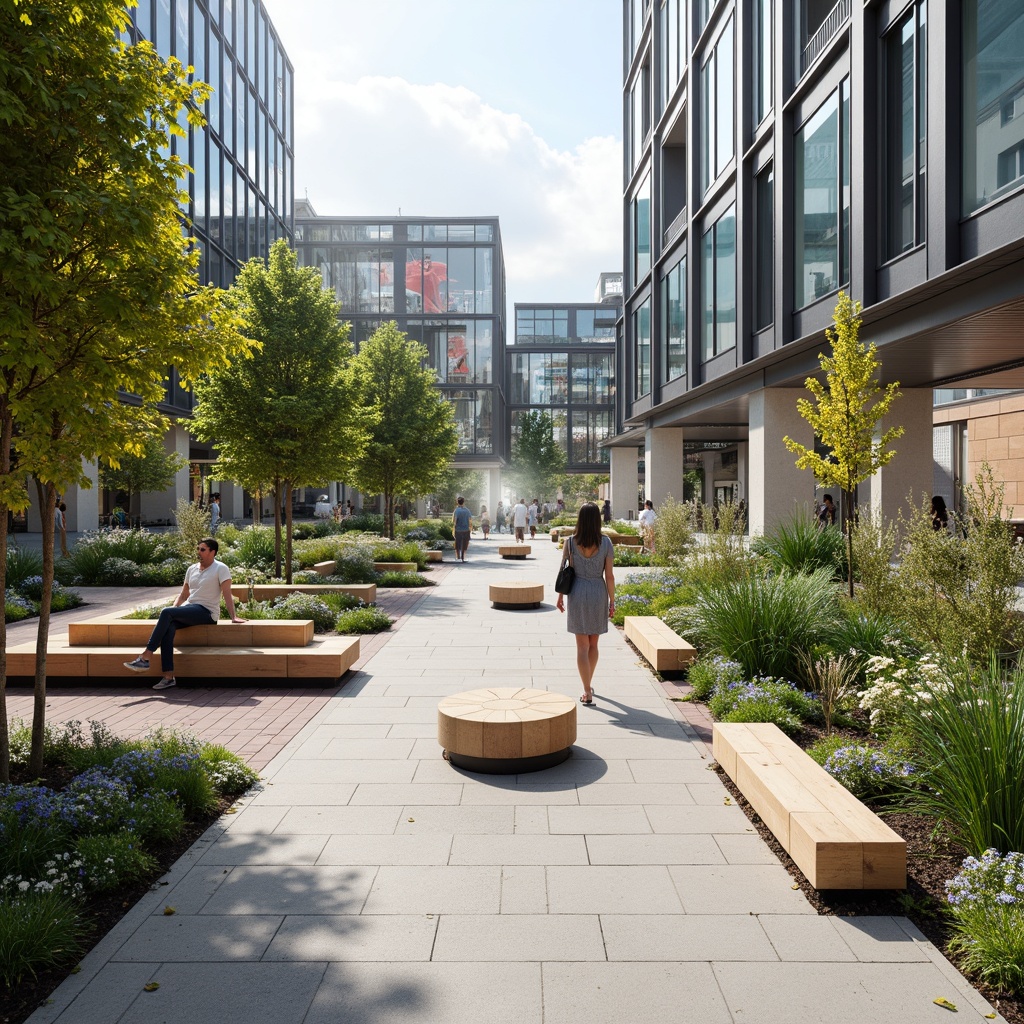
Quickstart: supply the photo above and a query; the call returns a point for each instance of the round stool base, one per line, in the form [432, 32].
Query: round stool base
[507, 765]
[506, 607]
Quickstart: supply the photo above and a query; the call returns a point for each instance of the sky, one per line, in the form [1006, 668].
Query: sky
[468, 108]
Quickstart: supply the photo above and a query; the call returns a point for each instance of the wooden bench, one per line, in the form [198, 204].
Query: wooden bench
[516, 594]
[665, 649]
[835, 840]
[114, 631]
[506, 730]
[435, 556]
[326, 568]
[395, 566]
[514, 550]
[268, 591]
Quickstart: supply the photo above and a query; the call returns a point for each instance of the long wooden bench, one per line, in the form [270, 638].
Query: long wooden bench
[268, 591]
[663, 647]
[395, 566]
[835, 840]
[114, 631]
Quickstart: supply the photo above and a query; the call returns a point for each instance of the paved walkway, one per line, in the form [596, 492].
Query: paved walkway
[369, 882]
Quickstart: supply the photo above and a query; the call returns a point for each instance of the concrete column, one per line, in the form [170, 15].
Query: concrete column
[421, 508]
[493, 491]
[84, 505]
[158, 506]
[232, 499]
[663, 458]
[622, 470]
[910, 475]
[742, 468]
[776, 488]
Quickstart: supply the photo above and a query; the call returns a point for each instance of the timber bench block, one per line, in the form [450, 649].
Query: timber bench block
[514, 550]
[835, 840]
[516, 594]
[628, 541]
[395, 566]
[435, 556]
[505, 730]
[268, 591]
[114, 631]
[323, 658]
[326, 568]
[559, 533]
[665, 649]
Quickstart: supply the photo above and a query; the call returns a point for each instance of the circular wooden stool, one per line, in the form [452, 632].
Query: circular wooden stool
[514, 550]
[516, 594]
[502, 731]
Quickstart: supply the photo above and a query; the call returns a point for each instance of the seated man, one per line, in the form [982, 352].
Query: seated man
[198, 604]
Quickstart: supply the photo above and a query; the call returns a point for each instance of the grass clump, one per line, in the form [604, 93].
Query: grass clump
[362, 620]
[801, 545]
[401, 579]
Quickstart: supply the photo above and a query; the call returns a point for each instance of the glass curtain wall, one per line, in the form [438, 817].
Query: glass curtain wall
[673, 326]
[718, 276]
[718, 141]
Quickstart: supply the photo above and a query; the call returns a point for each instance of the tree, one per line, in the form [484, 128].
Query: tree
[152, 469]
[98, 287]
[538, 460]
[580, 487]
[287, 415]
[412, 435]
[469, 483]
[844, 417]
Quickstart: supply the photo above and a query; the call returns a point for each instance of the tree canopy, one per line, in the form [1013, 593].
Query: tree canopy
[287, 415]
[844, 416]
[538, 460]
[98, 287]
[412, 435]
[137, 473]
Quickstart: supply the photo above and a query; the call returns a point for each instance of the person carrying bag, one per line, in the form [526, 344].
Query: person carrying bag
[566, 573]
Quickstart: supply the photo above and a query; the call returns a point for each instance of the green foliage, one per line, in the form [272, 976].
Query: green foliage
[801, 545]
[875, 543]
[364, 522]
[580, 487]
[113, 860]
[705, 675]
[426, 531]
[230, 775]
[866, 635]
[354, 565]
[134, 471]
[412, 434]
[22, 564]
[193, 523]
[721, 558]
[469, 483]
[305, 606]
[158, 818]
[869, 773]
[985, 900]
[402, 579]
[363, 620]
[834, 679]
[822, 749]
[762, 700]
[16, 609]
[38, 930]
[763, 623]
[538, 460]
[627, 556]
[673, 531]
[969, 746]
[255, 548]
[408, 552]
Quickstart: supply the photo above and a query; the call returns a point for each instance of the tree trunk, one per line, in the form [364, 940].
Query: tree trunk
[288, 531]
[389, 514]
[47, 504]
[277, 527]
[848, 526]
[6, 433]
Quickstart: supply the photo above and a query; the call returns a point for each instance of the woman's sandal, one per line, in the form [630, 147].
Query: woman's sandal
[586, 700]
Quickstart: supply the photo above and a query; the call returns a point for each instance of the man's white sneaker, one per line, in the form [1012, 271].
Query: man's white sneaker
[138, 665]
[166, 683]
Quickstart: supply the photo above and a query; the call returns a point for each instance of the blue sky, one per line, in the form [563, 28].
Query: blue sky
[463, 107]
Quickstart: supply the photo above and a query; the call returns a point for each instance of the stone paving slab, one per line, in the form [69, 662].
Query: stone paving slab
[375, 883]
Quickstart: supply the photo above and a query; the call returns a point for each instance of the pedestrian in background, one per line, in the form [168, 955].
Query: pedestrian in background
[462, 523]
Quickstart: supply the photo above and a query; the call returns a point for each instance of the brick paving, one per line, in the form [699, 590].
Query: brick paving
[256, 722]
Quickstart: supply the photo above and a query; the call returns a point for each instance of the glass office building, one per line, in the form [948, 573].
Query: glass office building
[562, 362]
[443, 282]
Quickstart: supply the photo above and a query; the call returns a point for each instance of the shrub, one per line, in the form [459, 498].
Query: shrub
[630, 604]
[68, 745]
[628, 557]
[986, 899]
[969, 746]
[867, 771]
[363, 620]
[706, 674]
[427, 530]
[763, 623]
[38, 930]
[22, 564]
[874, 545]
[800, 545]
[867, 634]
[762, 700]
[365, 522]
[822, 749]
[898, 689]
[340, 602]
[174, 773]
[402, 579]
[193, 525]
[305, 606]
[95, 801]
[230, 775]
[157, 817]
[834, 679]
[673, 531]
[110, 861]
[255, 548]
[17, 608]
[354, 565]
[62, 599]
[409, 552]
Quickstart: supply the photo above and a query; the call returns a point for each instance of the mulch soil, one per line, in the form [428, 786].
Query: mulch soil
[100, 912]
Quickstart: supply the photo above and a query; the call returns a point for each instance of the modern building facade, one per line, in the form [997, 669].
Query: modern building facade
[442, 280]
[776, 154]
[562, 362]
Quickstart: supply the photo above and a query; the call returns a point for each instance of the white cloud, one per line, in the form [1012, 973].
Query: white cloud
[378, 144]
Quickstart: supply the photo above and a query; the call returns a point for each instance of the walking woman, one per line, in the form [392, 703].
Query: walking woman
[592, 601]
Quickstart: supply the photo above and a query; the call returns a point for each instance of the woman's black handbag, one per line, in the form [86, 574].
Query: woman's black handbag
[566, 573]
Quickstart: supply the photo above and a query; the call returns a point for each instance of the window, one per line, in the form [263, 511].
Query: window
[640, 229]
[589, 428]
[764, 249]
[595, 324]
[673, 45]
[1010, 165]
[591, 379]
[905, 108]
[473, 420]
[716, 128]
[640, 113]
[542, 325]
[642, 349]
[822, 199]
[673, 325]
[540, 378]
[764, 27]
[718, 281]
[993, 83]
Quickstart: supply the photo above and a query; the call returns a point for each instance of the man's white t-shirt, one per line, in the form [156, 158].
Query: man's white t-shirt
[519, 516]
[647, 518]
[204, 585]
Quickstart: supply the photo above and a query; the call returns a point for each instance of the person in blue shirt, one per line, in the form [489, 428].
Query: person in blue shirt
[462, 522]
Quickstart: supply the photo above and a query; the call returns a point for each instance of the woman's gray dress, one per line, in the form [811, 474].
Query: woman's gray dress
[588, 601]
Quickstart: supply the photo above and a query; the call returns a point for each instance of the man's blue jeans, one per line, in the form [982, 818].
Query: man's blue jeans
[171, 619]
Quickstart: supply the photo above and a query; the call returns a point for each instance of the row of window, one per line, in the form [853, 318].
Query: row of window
[553, 325]
[352, 232]
[561, 378]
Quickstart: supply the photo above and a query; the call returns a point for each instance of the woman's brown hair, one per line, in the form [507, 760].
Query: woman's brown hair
[588, 526]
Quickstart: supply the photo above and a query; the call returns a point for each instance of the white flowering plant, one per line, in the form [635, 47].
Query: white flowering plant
[986, 900]
[899, 687]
